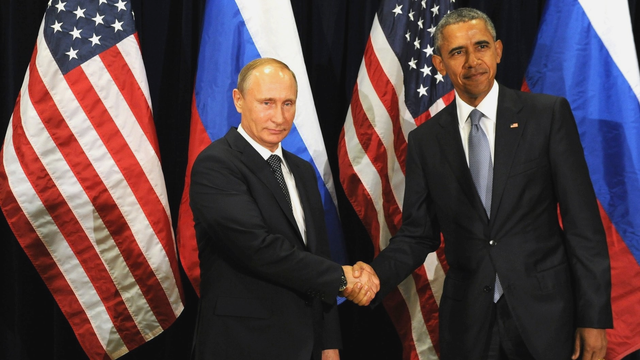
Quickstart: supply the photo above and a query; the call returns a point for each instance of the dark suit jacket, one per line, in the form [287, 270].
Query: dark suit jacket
[264, 294]
[554, 280]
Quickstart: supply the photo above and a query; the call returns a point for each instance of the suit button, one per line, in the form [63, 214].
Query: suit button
[493, 243]
[487, 289]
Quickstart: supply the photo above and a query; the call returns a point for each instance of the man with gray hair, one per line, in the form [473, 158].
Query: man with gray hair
[489, 172]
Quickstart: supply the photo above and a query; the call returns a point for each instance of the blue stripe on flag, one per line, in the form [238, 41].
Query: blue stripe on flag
[606, 109]
[293, 142]
[226, 47]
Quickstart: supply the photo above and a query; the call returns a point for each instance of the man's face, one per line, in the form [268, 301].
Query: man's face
[268, 105]
[470, 57]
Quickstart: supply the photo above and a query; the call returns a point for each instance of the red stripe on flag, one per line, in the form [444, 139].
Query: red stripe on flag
[358, 194]
[441, 256]
[103, 201]
[625, 297]
[387, 95]
[377, 153]
[186, 234]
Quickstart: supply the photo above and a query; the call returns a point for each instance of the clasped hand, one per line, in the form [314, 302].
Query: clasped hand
[362, 283]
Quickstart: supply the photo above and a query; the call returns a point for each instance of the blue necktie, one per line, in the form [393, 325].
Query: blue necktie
[480, 162]
[481, 168]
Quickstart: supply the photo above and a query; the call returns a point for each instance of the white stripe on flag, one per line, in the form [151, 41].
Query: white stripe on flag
[436, 275]
[275, 35]
[132, 55]
[422, 341]
[613, 24]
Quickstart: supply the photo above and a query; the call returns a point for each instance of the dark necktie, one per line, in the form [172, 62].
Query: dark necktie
[276, 166]
[481, 168]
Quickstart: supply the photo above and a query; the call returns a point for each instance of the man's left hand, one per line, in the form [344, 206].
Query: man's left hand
[591, 343]
[331, 354]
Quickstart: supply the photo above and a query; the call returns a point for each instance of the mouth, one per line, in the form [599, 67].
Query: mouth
[473, 76]
[276, 131]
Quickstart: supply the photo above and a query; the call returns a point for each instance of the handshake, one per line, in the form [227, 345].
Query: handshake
[362, 283]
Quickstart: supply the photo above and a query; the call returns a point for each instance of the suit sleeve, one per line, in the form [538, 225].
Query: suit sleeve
[584, 234]
[226, 208]
[419, 234]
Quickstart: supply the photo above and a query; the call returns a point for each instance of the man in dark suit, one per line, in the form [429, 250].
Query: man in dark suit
[520, 285]
[268, 288]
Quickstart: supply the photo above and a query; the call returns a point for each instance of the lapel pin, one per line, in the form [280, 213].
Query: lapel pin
[513, 125]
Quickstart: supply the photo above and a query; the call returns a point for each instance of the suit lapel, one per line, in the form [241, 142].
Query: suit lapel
[261, 169]
[303, 185]
[451, 143]
[509, 128]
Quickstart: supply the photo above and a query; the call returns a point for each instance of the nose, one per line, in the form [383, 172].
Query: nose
[279, 116]
[472, 60]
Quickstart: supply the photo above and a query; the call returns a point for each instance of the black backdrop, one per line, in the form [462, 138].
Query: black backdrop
[333, 34]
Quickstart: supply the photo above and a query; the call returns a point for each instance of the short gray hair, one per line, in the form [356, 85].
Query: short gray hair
[461, 15]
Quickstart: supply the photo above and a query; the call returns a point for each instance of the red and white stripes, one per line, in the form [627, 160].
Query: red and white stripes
[372, 150]
[82, 187]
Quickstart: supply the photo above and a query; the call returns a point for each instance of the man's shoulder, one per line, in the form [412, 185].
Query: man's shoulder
[526, 97]
[221, 148]
[439, 120]
[295, 160]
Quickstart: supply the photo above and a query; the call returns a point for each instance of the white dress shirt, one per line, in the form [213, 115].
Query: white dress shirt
[298, 213]
[489, 109]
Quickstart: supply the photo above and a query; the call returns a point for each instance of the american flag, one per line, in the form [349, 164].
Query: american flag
[397, 89]
[81, 183]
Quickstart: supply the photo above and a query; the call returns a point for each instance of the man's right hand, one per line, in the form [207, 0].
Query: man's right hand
[362, 283]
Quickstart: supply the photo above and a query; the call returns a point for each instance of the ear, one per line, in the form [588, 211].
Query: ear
[439, 64]
[237, 100]
[498, 47]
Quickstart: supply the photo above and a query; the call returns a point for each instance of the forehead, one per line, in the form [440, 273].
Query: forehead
[267, 75]
[471, 31]
[270, 84]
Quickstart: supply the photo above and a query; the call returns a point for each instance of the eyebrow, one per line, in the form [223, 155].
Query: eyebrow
[479, 42]
[269, 98]
[455, 49]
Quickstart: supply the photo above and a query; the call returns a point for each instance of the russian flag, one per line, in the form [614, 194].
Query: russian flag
[585, 52]
[234, 33]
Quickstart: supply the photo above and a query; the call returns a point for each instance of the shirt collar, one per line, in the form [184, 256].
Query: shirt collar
[488, 106]
[264, 152]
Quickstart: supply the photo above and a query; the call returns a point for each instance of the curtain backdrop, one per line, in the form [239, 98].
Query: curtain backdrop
[333, 34]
